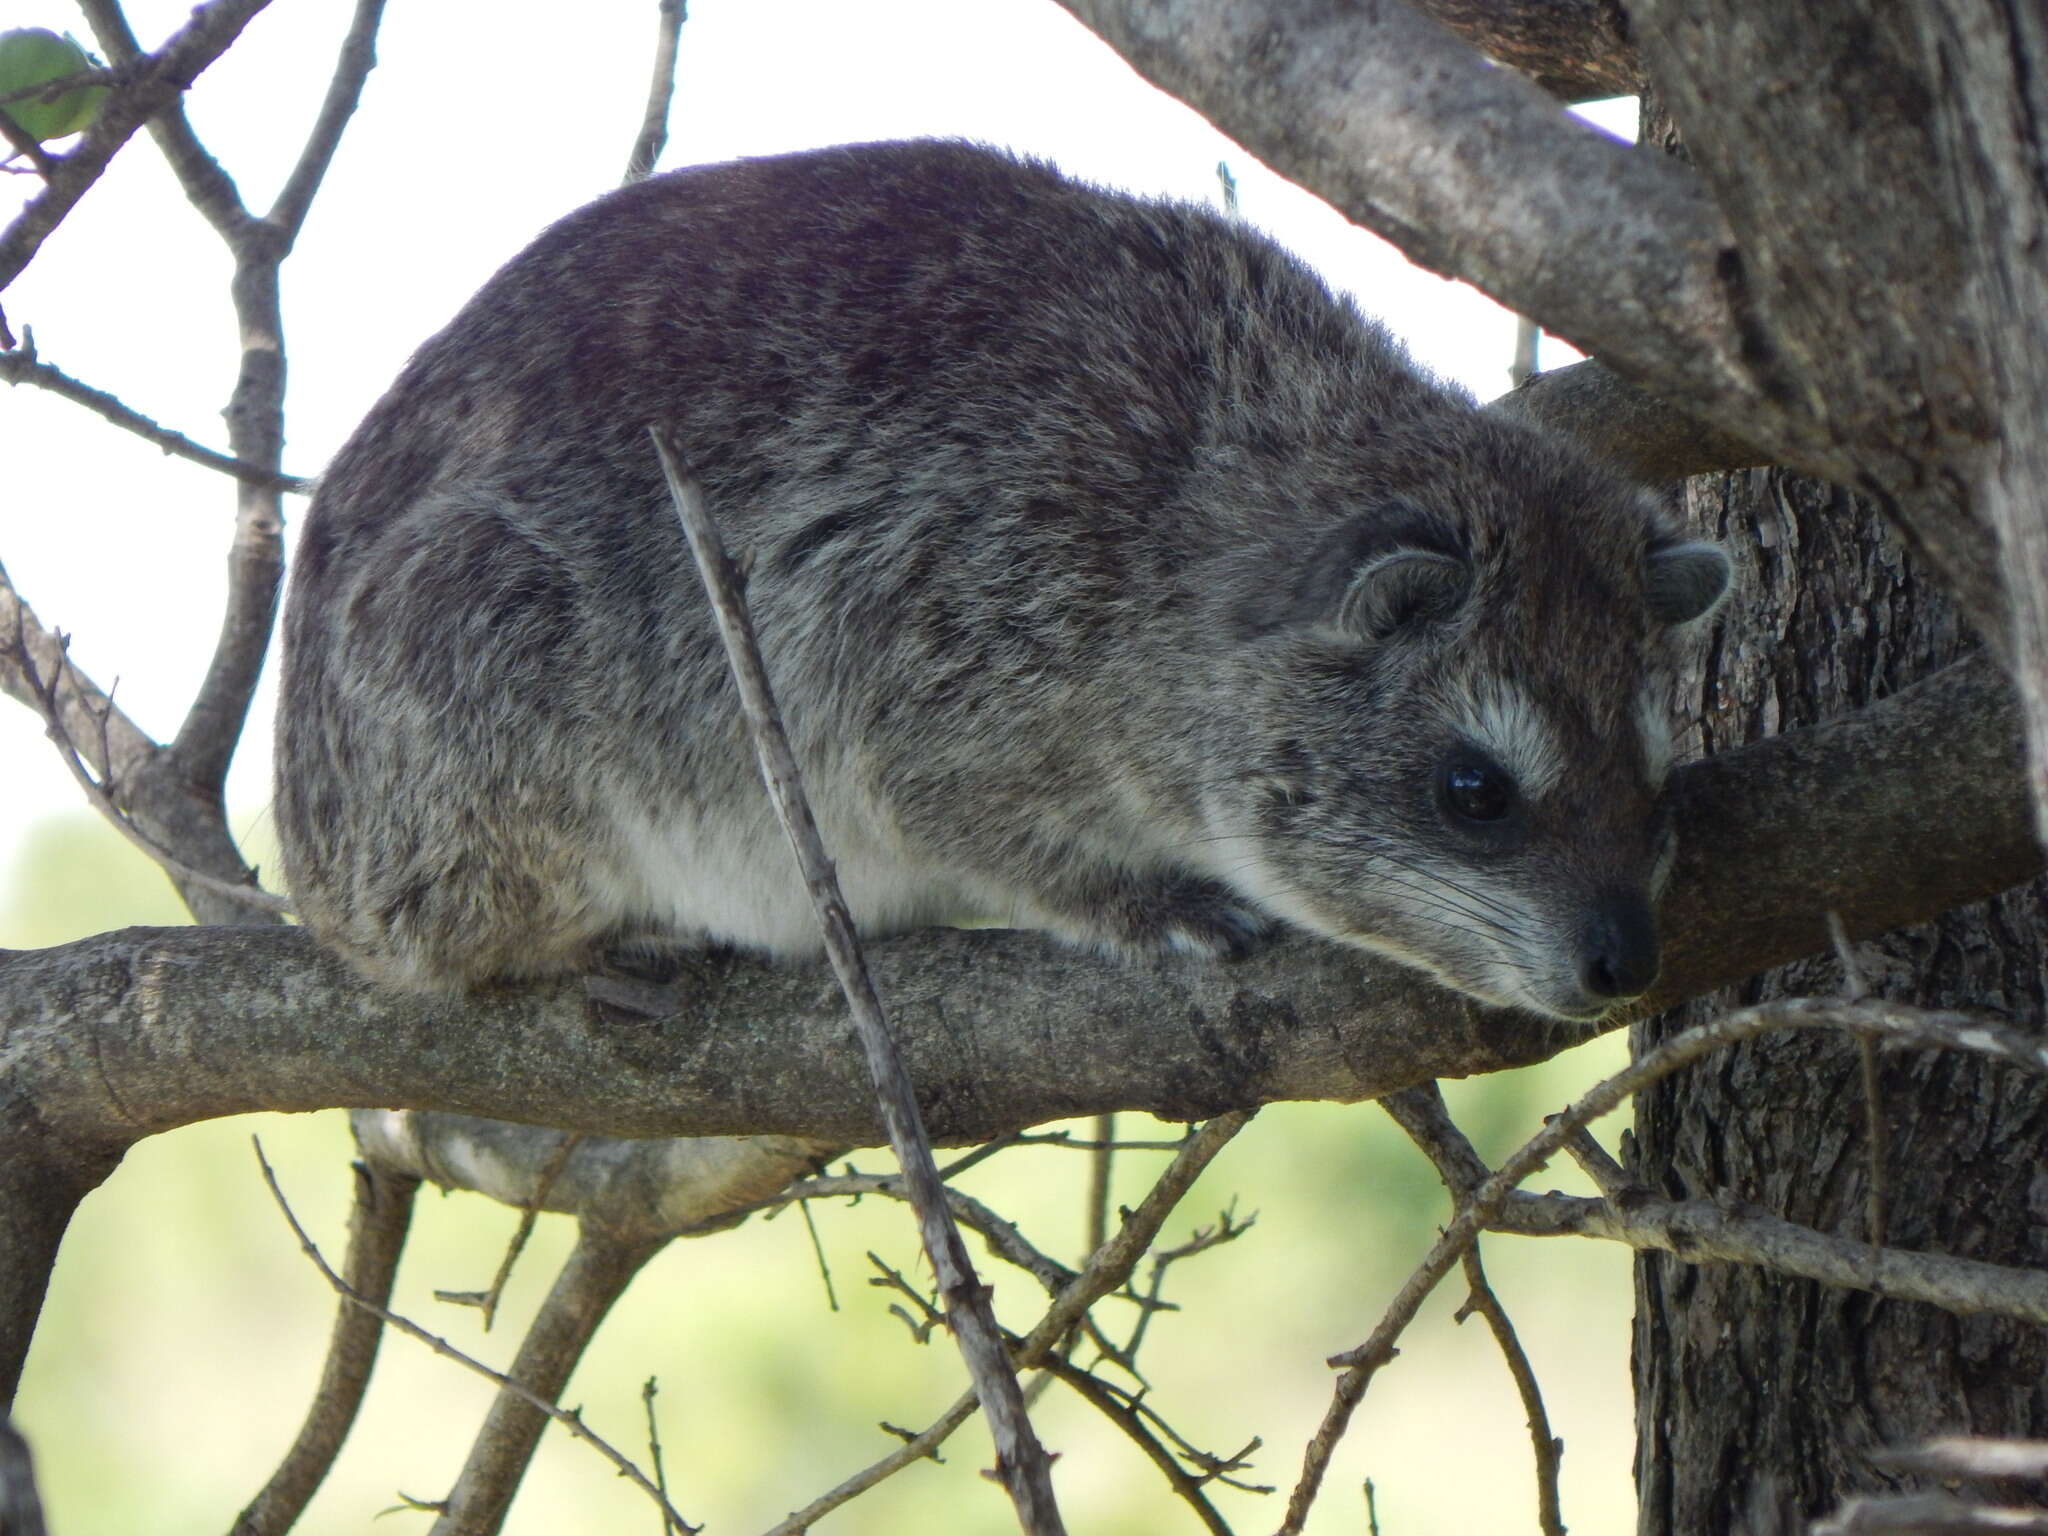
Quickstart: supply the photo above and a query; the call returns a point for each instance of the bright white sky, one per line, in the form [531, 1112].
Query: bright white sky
[478, 128]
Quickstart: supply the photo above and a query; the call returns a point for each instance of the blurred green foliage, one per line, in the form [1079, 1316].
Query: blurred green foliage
[184, 1331]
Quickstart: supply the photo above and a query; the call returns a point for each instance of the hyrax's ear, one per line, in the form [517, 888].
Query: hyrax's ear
[1406, 587]
[1686, 581]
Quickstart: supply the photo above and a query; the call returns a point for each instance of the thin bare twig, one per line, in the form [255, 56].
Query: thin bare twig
[24, 367]
[654, 1449]
[1021, 1460]
[596, 1273]
[352, 66]
[1897, 1023]
[377, 1225]
[1126, 1416]
[569, 1420]
[653, 135]
[818, 1252]
[1109, 1268]
[488, 1300]
[1548, 1448]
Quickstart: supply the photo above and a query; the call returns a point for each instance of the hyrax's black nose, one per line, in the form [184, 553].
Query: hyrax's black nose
[1618, 946]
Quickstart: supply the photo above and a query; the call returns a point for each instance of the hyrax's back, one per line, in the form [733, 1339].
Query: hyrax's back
[1021, 470]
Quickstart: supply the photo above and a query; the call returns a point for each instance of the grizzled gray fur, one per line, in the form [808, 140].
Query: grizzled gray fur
[1116, 580]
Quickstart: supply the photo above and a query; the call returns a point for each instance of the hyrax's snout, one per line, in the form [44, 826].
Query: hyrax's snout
[1618, 945]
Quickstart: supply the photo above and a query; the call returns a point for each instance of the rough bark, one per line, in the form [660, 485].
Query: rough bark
[1761, 1397]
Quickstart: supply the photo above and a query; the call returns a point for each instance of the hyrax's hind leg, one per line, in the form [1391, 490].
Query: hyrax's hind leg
[633, 977]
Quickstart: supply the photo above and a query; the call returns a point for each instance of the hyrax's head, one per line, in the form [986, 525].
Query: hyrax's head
[1460, 720]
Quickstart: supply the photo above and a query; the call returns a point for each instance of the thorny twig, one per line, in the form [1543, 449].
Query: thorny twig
[1106, 1270]
[567, 1418]
[1896, 1023]
[889, 1278]
[603, 1262]
[44, 694]
[1021, 1460]
[1226, 1230]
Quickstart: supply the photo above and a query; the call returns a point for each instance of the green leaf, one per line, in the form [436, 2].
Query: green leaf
[33, 55]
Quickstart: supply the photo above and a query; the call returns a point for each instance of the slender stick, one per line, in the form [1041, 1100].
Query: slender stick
[591, 1280]
[1548, 1448]
[23, 366]
[1026, 1471]
[653, 135]
[567, 1418]
[377, 1227]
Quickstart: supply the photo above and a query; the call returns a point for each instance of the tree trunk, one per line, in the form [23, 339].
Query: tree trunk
[1760, 1400]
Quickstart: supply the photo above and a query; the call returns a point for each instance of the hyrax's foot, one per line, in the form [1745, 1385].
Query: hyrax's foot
[638, 979]
[1188, 916]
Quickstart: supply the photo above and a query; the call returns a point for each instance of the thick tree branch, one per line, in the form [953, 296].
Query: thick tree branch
[1926, 784]
[1473, 172]
[120, 1036]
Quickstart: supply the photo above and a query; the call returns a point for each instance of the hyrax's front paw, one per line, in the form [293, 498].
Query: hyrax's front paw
[1197, 917]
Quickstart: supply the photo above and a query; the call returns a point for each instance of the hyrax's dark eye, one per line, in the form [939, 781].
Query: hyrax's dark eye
[1476, 791]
